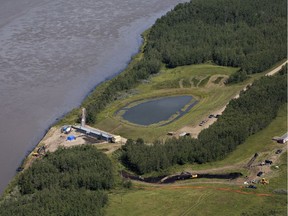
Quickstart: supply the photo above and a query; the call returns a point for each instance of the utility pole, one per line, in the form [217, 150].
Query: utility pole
[83, 120]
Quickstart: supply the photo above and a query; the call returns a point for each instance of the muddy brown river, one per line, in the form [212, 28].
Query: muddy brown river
[52, 53]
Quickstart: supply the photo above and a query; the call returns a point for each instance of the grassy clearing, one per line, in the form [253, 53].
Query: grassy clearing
[217, 81]
[195, 200]
[164, 84]
[204, 82]
[186, 83]
[167, 84]
[195, 81]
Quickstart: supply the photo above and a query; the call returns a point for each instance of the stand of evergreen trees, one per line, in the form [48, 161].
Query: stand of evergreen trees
[54, 202]
[67, 182]
[250, 113]
[239, 33]
[248, 34]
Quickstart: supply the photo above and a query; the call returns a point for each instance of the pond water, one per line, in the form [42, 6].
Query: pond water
[158, 110]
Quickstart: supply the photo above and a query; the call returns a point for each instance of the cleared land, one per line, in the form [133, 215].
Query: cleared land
[211, 97]
[205, 82]
[224, 198]
[55, 139]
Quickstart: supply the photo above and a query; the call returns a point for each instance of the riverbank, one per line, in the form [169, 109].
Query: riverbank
[58, 60]
[72, 116]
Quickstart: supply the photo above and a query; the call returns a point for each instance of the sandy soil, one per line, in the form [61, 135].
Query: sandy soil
[195, 130]
[55, 139]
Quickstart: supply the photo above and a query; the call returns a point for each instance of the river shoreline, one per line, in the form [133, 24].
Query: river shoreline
[28, 158]
[55, 67]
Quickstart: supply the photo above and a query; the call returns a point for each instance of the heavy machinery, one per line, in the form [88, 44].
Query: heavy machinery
[264, 181]
[194, 176]
[35, 154]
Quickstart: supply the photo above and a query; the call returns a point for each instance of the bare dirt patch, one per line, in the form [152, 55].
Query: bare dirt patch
[55, 139]
[195, 130]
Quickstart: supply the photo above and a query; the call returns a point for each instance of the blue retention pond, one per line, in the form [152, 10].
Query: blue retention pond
[157, 110]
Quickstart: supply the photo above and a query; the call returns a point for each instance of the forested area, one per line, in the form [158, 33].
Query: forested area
[56, 202]
[250, 113]
[239, 33]
[67, 182]
[248, 34]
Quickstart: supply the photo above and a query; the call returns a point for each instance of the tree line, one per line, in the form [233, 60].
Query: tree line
[243, 117]
[98, 100]
[70, 181]
[54, 202]
[240, 33]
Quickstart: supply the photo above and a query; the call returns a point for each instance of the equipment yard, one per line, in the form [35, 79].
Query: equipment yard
[56, 138]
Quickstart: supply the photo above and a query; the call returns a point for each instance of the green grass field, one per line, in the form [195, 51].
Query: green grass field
[204, 82]
[170, 82]
[214, 199]
[208, 200]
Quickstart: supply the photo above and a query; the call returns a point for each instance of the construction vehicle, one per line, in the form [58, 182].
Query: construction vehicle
[35, 154]
[264, 181]
[251, 186]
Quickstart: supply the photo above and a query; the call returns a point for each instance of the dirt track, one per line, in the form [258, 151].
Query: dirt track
[272, 72]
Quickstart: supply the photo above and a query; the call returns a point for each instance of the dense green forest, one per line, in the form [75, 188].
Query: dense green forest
[56, 202]
[67, 182]
[240, 33]
[248, 34]
[251, 112]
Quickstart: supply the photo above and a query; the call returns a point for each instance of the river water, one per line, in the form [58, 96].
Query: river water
[52, 53]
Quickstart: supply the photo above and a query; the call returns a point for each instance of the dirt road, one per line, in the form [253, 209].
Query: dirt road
[272, 72]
